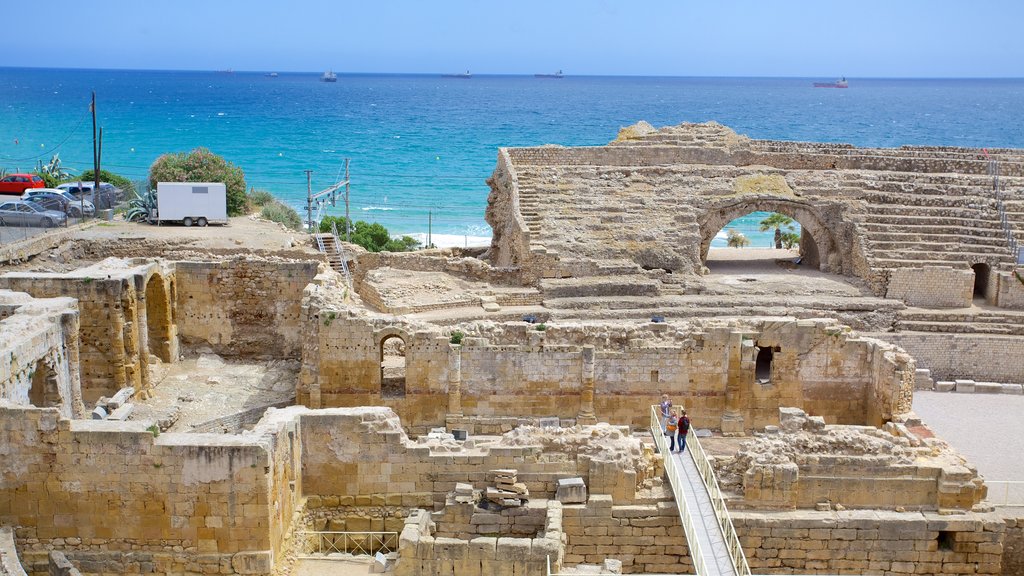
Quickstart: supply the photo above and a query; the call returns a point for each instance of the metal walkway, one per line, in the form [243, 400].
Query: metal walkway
[713, 548]
[712, 540]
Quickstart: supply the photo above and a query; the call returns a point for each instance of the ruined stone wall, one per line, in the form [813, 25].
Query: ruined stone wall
[243, 306]
[39, 352]
[111, 353]
[1013, 542]
[1008, 288]
[510, 237]
[647, 538]
[963, 356]
[871, 542]
[97, 490]
[932, 286]
[459, 266]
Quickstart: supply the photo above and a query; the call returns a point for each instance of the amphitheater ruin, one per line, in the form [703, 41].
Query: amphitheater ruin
[177, 409]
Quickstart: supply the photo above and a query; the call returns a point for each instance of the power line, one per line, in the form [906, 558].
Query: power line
[40, 155]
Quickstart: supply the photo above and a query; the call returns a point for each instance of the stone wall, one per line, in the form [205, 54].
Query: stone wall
[9, 563]
[1009, 289]
[866, 542]
[242, 306]
[963, 356]
[179, 502]
[514, 369]
[1013, 541]
[932, 286]
[39, 353]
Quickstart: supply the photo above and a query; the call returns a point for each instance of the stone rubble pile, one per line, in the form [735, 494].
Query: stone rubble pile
[507, 490]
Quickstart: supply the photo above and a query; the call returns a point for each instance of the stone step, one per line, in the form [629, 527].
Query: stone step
[922, 228]
[907, 221]
[599, 286]
[956, 258]
[910, 239]
[959, 327]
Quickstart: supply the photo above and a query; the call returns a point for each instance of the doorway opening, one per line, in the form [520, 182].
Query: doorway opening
[392, 367]
[763, 365]
[981, 274]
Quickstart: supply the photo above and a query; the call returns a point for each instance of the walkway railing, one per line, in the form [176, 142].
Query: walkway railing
[355, 543]
[1005, 493]
[707, 474]
[677, 491]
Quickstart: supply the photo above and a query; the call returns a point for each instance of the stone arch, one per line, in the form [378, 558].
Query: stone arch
[392, 350]
[818, 246]
[158, 318]
[45, 389]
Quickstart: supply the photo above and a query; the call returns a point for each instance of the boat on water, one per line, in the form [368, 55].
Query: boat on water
[465, 74]
[271, 74]
[841, 83]
[329, 76]
[555, 75]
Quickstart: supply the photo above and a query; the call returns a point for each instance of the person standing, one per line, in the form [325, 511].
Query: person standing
[671, 425]
[666, 411]
[682, 429]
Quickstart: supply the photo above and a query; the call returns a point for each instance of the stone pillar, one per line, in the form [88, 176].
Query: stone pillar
[586, 414]
[455, 381]
[732, 418]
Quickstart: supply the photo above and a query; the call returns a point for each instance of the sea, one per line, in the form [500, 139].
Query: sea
[420, 147]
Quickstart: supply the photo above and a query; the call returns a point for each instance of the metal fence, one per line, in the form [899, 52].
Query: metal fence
[318, 544]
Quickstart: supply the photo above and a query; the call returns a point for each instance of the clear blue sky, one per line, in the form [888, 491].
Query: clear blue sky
[822, 38]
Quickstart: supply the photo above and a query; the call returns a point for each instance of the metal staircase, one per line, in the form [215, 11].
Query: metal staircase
[330, 245]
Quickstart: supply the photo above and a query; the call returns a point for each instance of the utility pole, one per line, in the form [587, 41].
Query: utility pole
[95, 150]
[430, 226]
[348, 221]
[309, 201]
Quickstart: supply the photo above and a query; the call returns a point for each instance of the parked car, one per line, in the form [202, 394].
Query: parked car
[28, 213]
[16, 184]
[59, 200]
[105, 197]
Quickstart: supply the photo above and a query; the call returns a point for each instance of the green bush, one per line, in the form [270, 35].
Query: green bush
[456, 337]
[129, 187]
[50, 180]
[374, 237]
[259, 198]
[276, 211]
[201, 165]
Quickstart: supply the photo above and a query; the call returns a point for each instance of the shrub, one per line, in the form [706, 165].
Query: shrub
[259, 198]
[456, 337]
[277, 211]
[736, 239]
[790, 239]
[201, 165]
[541, 327]
[50, 180]
[374, 237]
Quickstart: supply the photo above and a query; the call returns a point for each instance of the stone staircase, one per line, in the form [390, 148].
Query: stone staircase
[963, 321]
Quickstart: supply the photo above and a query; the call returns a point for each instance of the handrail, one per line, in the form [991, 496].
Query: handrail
[355, 543]
[677, 491]
[1007, 486]
[341, 253]
[707, 473]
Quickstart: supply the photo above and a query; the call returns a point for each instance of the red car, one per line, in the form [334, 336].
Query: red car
[16, 184]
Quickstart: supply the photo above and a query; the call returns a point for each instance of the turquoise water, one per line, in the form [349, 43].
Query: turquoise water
[424, 145]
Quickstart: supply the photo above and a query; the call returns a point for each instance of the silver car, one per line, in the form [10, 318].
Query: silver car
[28, 213]
[59, 200]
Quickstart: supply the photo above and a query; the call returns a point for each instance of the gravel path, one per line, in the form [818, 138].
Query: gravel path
[985, 428]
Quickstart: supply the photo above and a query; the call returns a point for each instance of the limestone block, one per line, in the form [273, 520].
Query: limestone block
[791, 419]
[252, 562]
[945, 386]
[1012, 389]
[966, 386]
[571, 491]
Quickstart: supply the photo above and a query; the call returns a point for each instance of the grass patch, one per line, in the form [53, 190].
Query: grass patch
[276, 211]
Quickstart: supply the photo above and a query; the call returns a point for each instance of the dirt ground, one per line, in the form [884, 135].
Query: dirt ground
[205, 387]
[771, 271]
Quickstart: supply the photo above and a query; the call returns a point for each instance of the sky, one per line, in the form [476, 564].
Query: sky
[822, 38]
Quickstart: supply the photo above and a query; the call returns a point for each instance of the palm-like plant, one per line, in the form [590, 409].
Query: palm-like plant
[53, 168]
[140, 207]
[777, 221]
[735, 239]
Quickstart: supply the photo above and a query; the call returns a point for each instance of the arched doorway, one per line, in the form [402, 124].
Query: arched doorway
[817, 244]
[981, 275]
[44, 392]
[158, 318]
[392, 367]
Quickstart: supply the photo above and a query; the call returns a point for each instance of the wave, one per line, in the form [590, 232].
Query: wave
[376, 208]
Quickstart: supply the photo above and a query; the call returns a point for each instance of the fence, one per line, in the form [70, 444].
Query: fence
[316, 544]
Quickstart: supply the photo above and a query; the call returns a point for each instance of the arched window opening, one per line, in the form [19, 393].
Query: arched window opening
[44, 392]
[758, 239]
[981, 274]
[392, 367]
[763, 366]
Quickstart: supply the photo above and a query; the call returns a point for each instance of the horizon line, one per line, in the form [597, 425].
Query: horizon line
[226, 71]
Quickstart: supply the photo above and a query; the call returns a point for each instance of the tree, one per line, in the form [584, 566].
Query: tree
[374, 237]
[201, 165]
[790, 239]
[116, 179]
[777, 221]
[736, 239]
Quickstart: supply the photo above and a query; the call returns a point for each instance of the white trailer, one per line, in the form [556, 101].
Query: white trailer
[199, 203]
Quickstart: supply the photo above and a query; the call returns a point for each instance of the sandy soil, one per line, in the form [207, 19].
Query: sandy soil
[771, 271]
[240, 232]
[206, 387]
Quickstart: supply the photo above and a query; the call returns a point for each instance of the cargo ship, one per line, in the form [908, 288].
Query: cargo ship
[841, 83]
[465, 74]
[556, 75]
[329, 76]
